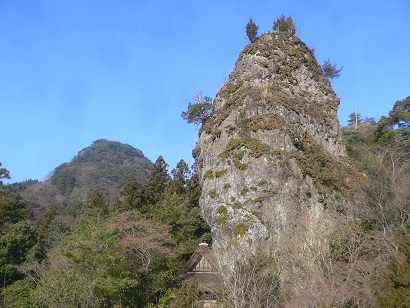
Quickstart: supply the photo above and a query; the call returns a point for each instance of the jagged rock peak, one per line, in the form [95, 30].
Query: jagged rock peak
[278, 74]
[271, 156]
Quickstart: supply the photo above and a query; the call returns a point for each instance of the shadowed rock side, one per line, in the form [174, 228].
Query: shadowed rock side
[272, 161]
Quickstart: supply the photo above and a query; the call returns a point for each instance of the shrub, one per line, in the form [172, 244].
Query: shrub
[262, 182]
[208, 175]
[240, 229]
[244, 190]
[220, 173]
[196, 151]
[222, 214]
[212, 193]
[230, 129]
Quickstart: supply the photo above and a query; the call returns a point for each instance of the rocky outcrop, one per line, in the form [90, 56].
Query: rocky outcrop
[271, 157]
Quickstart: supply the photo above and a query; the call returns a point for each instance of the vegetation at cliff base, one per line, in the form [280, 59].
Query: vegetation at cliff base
[127, 252]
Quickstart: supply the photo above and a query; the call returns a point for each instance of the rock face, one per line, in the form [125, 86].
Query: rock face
[271, 157]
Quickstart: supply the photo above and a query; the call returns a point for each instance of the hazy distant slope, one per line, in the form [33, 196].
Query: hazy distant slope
[105, 165]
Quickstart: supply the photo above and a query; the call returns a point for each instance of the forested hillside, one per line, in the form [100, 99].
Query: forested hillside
[125, 252]
[104, 165]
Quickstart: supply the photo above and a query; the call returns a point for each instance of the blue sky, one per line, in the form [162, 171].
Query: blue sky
[72, 72]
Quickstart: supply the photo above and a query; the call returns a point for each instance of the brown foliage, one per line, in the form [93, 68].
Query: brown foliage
[143, 241]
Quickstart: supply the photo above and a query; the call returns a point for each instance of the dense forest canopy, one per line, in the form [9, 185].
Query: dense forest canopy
[125, 251]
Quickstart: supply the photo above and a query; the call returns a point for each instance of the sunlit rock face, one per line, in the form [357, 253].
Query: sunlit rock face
[271, 157]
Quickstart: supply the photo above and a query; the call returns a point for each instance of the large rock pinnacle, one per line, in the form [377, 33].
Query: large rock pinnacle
[271, 157]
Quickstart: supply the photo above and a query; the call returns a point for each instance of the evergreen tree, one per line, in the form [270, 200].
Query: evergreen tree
[397, 125]
[16, 247]
[198, 111]
[97, 200]
[12, 207]
[330, 70]
[11, 211]
[354, 119]
[4, 174]
[284, 24]
[400, 114]
[252, 31]
[45, 222]
[370, 121]
[157, 181]
[180, 175]
[132, 196]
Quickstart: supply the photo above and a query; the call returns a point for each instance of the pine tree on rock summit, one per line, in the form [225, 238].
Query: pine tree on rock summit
[252, 31]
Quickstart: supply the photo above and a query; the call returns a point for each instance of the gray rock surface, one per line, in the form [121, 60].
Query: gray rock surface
[271, 157]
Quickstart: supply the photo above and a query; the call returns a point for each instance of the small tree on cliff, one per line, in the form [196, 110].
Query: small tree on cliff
[252, 31]
[284, 24]
[330, 70]
[200, 110]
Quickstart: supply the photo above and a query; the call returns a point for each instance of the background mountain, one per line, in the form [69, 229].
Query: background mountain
[104, 165]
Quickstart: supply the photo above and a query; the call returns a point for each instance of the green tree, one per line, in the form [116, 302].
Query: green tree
[252, 31]
[200, 110]
[354, 119]
[395, 127]
[4, 174]
[45, 222]
[330, 70]
[370, 121]
[284, 24]
[188, 227]
[12, 208]
[180, 175]
[179, 208]
[97, 200]
[4, 190]
[157, 181]
[18, 294]
[132, 196]
[122, 260]
[53, 228]
[17, 246]
[400, 115]
[86, 269]
[11, 211]
[148, 248]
